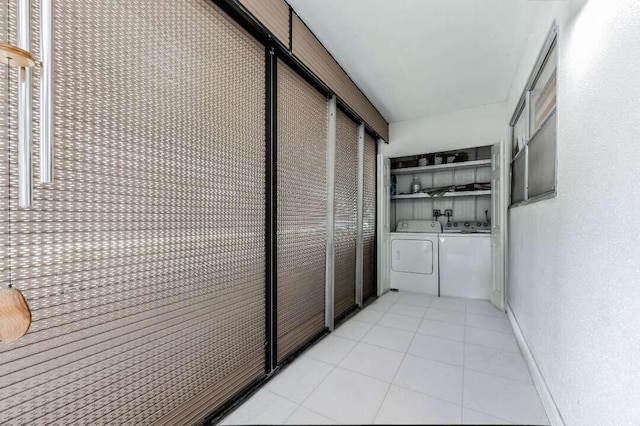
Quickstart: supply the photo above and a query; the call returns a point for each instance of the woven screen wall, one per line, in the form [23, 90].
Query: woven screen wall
[302, 210]
[273, 14]
[346, 210]
[369, 220]
[144, 263]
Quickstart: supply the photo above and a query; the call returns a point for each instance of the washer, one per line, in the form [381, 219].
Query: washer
[465, 260]
[414, 256]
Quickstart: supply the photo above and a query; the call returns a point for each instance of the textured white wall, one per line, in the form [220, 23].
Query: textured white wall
[478, 126]
[575, 260]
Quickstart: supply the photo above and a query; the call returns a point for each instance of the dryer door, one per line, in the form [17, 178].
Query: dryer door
[413, 256]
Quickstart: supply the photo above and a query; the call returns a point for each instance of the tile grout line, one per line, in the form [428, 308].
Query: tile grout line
[495, 331]
[440, 361]
[313, 411]
[418, 392]
[422, 333]
[508, 422]
[388, 328]
[301, 404]
[360, 341]
[463, 373]
[373, 344]
[490, 347]
[495, 349]
[264, 388]
[500, 377]
[429, 395]
[382, 347]
[334, 366]
[404, 387]
[384, 398]
[331, 371]
[415, 333]
[464, 343]
[396, 373]
[488, 316]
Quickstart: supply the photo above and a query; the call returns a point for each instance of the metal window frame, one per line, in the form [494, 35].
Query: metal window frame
[375, 231]
[271, 206]
[342, 108]
[524, 107]
[526, 144]
[332, 110]
[372, 297]
[360, 218]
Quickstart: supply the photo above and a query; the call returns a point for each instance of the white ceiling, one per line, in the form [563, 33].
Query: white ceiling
[414, 58]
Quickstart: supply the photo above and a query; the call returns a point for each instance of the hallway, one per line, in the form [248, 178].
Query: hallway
[406, 358]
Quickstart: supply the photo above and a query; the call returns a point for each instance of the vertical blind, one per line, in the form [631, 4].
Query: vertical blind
[302, 210]
[369, 219]
[346, 209]
[144, 263]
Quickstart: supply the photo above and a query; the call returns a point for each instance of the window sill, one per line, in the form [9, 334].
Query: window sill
[546, 196]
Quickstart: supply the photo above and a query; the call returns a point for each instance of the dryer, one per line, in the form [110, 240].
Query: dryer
[414, 256]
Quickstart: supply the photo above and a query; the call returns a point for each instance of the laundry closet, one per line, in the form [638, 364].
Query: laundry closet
[440, 222]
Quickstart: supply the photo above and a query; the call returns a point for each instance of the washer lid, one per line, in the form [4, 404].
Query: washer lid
[417, 226]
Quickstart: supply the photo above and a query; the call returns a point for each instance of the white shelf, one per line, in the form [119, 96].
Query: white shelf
[448, 194]
[442, 167]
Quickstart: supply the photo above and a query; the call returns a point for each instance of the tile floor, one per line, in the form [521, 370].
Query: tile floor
[406, 358]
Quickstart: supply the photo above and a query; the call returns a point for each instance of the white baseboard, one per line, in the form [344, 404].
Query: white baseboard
[553, 414]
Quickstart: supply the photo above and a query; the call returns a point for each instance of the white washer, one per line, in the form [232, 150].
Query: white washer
[465, 265]
[414, 256]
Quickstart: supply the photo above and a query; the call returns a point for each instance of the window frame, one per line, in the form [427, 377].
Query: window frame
[524, 107]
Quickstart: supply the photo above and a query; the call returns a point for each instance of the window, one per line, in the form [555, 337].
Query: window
[533, 130]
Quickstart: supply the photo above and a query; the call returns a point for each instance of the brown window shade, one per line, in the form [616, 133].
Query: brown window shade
[143, 263]
[346, 195]
[302, 210]
[369, 220]
[313, 54]
[274, 14]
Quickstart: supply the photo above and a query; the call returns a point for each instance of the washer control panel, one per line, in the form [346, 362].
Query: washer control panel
[468, 227]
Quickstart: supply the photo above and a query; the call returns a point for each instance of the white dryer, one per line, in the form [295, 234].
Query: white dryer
[414, 256]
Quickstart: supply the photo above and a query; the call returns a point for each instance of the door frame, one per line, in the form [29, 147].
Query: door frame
[500, 190]
[383, 234]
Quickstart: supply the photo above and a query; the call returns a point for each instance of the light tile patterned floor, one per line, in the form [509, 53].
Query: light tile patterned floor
[406, 358]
